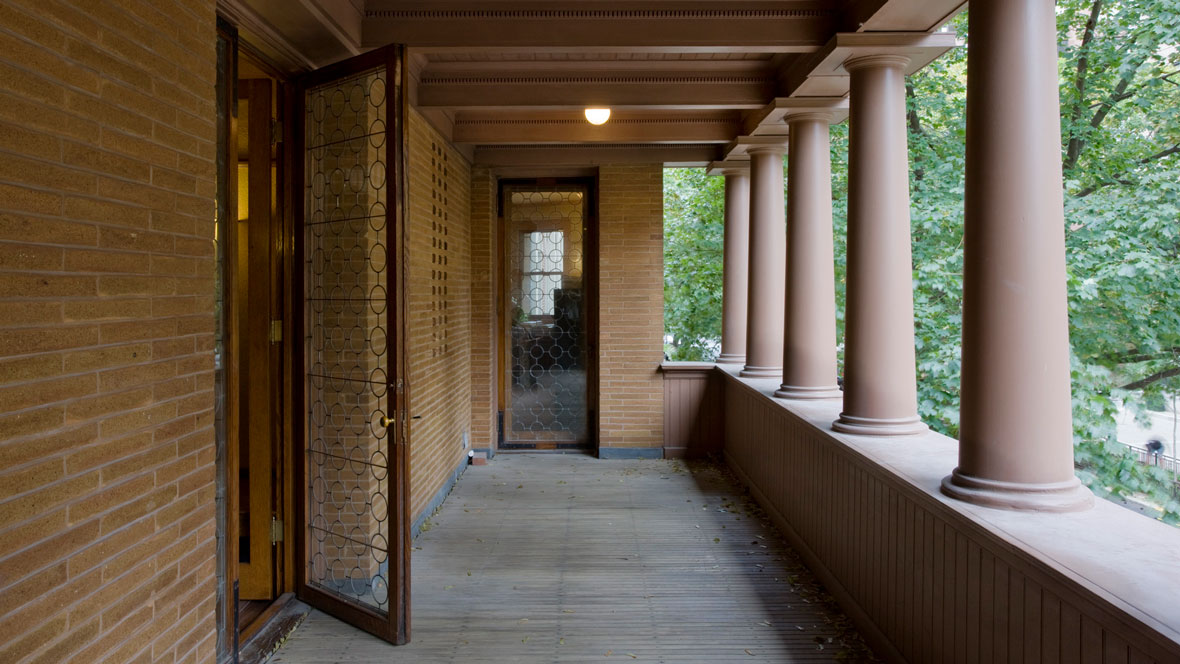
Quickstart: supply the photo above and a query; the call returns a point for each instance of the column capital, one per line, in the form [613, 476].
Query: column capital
[728, 167]
[892, 60]
[827, 117]
[769, 119]
[742, 147]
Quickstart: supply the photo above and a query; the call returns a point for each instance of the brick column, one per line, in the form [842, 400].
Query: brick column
[880, 392]
[1016, 437]
[809, 346]
[735, 291]
[768, 253]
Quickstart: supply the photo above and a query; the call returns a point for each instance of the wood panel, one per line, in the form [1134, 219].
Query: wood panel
[694, 423]
[924, 581]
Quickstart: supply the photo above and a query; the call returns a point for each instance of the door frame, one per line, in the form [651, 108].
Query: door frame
[395, 627]
[590, 269]
[233, 636]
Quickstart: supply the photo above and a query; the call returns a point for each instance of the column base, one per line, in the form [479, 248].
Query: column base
[1067, 496]
[873, 426]
[799, 392]
[761, 372]
[731, 358]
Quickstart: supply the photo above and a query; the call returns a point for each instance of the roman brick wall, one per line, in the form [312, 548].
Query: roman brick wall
[107, 181]
[485, 266]
[631, 306]
[439, 245]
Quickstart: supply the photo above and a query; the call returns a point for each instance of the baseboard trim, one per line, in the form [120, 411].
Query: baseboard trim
[630, 453]
[439, 497]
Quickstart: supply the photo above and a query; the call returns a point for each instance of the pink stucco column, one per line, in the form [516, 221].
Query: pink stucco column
[809, 346]
[1016, 432]
[768, 249]
[735, 276]
[880, 393]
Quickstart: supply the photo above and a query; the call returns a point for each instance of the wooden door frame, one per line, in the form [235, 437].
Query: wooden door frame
[281, 269]
[590, 269]
[396, 626]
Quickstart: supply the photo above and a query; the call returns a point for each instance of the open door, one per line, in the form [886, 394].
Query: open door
[255, 281]
[353, 549]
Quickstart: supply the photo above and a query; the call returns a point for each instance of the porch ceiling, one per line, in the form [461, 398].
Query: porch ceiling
[680, 75]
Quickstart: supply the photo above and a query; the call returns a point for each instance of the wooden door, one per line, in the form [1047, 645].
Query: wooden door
[354, 537]
[255, 286]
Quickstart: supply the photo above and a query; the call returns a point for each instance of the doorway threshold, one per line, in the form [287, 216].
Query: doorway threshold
[263, 635]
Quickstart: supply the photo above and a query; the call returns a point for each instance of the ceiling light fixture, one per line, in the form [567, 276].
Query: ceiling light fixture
[597, 116]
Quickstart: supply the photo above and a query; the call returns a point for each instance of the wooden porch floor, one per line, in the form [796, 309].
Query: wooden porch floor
[566, 558]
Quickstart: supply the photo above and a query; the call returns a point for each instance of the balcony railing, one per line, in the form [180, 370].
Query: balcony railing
[932, 579]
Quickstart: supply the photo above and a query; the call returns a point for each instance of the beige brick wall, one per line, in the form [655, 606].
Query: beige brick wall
[484, 272]
[631, 305]
[107, 137]
[440, 311]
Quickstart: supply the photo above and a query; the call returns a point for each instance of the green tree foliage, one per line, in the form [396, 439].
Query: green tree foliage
[1120, 120]
[694, 212]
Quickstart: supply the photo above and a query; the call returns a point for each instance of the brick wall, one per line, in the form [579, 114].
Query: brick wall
[107, 137]
[440, 311]
[631, 305]
[484, 271]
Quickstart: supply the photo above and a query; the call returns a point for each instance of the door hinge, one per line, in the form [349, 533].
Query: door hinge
[276, 530]
[276, 131]
[276, 331]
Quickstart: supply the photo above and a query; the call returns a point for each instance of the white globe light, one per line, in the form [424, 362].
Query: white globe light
[597, 116]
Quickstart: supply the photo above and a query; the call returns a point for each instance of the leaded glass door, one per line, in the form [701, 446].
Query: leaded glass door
[355, 541]
[547, 346]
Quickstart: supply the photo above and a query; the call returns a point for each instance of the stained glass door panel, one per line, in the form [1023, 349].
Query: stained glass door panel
[547, 319]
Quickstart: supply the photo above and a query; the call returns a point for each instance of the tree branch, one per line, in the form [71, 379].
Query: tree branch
[1167, 152]
[1136, 355]
[1074, 148]
[1153, 378]
[915, 122]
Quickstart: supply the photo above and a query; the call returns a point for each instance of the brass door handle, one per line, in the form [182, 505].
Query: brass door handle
[387, 421]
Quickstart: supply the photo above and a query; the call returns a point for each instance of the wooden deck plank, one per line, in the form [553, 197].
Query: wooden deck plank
[566, 558]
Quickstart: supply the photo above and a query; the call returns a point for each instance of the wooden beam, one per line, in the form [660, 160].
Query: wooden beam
[568, 127]
[899, 15]
[770, 120]
[577, 91]
[594, 155]
[822, 73]
[570, 24]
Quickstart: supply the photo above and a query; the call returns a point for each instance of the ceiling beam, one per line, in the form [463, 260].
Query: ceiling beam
[595, 155]
[573, 128]
[822, 73]
[574, 91]
[570, 25]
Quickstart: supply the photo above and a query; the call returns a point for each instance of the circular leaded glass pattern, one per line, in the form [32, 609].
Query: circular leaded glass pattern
[548, 326]
[346, 307]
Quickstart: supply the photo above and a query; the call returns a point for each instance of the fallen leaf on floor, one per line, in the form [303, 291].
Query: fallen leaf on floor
[520, 486]
[525, 640]
[608, 653]
[447, 587]
[568, 611]
[561, 642]
[747, 651]
[716, 539]
[468, 572]
[633, 656]
[765, 622]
